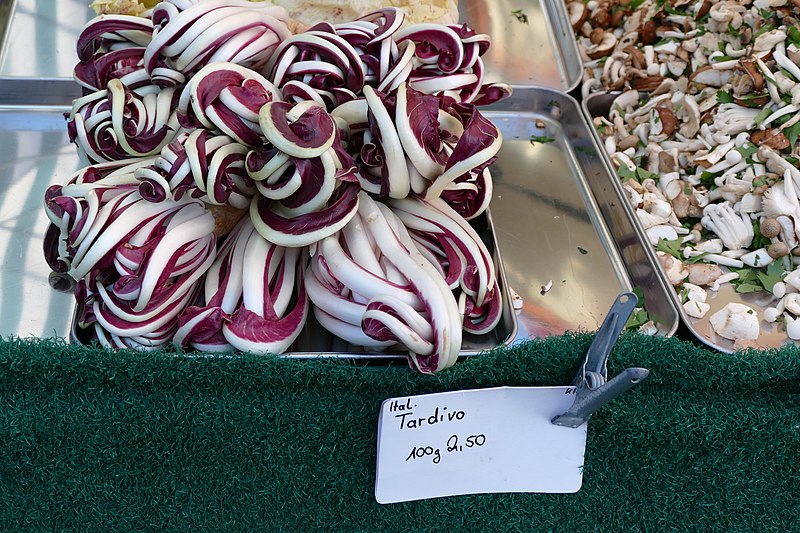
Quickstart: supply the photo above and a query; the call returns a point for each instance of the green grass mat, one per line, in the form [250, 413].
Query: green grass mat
[98, 441]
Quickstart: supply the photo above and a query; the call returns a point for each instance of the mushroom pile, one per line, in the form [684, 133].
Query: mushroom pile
[704, 136]
[241, 178]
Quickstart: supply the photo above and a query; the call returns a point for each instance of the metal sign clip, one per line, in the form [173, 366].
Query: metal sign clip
[592, 389]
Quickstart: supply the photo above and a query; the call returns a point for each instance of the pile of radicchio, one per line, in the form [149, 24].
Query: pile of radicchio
[240, 177]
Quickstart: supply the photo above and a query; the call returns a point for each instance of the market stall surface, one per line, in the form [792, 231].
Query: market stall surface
[94, 440]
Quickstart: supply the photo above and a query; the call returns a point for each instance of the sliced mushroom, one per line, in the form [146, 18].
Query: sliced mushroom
[646, 83]
[696, 308]
[669, 122]
[710, 76]
[773, 137]
[604, 47]
[703, 274]
[637, 57]
[674, 269]
[578, 13]
[767, 40]
[647, 33]
[601, 17]
[748, 65]
[735, 322]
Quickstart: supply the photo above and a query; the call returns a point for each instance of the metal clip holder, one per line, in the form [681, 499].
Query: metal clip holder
[592, 390]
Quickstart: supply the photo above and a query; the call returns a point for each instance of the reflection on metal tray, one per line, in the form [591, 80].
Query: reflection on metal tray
[599, 105]
[532, 42]
[35, 155]
[41, 37]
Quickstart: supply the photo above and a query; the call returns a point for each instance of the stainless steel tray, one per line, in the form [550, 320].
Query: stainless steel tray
[37, 154]
[556, 217]
[553, 212]
[532, 42]
[598, 105]
[41, 37]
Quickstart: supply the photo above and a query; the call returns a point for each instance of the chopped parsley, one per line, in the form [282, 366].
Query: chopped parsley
[792, 132]
[793, 34]
[541, 139]
[699, 258]
[672, 247]
[724, 97]
[639, 317]
[773, 274]
[759, 241]
[762, 115]
[747, 281]
[747, 150]
[520, 16]
[755, 280]
[640, 174]
[707, 178]
[763, 29]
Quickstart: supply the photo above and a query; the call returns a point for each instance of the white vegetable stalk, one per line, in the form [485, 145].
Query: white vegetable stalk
[362, 304]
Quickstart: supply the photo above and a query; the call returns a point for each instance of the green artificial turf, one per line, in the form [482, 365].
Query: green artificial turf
[98, 441]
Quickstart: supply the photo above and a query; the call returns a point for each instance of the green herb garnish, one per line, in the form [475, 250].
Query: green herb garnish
[753, 280]
[672, 247]
[792, 132]
[793, 34]
[747, 150]
[720, 59]
[747, 281]
[724, 97]
[699, 258]
[640, 174]
[625, 173]
[760, 181]
[772, 275]
[759, 241]
[707, 178]
[638, 318]
[520, 16]
[762, 115]
[763, 29]
[541, 139]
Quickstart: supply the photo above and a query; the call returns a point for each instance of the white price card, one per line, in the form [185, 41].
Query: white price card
[478, 441]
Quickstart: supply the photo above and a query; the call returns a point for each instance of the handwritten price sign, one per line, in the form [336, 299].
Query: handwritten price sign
[479, 441]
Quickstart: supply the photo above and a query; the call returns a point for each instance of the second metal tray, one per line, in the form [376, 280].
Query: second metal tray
[558, 223]
[599, 105]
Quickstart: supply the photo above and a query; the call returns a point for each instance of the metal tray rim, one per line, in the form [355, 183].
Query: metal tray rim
[650, 252]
